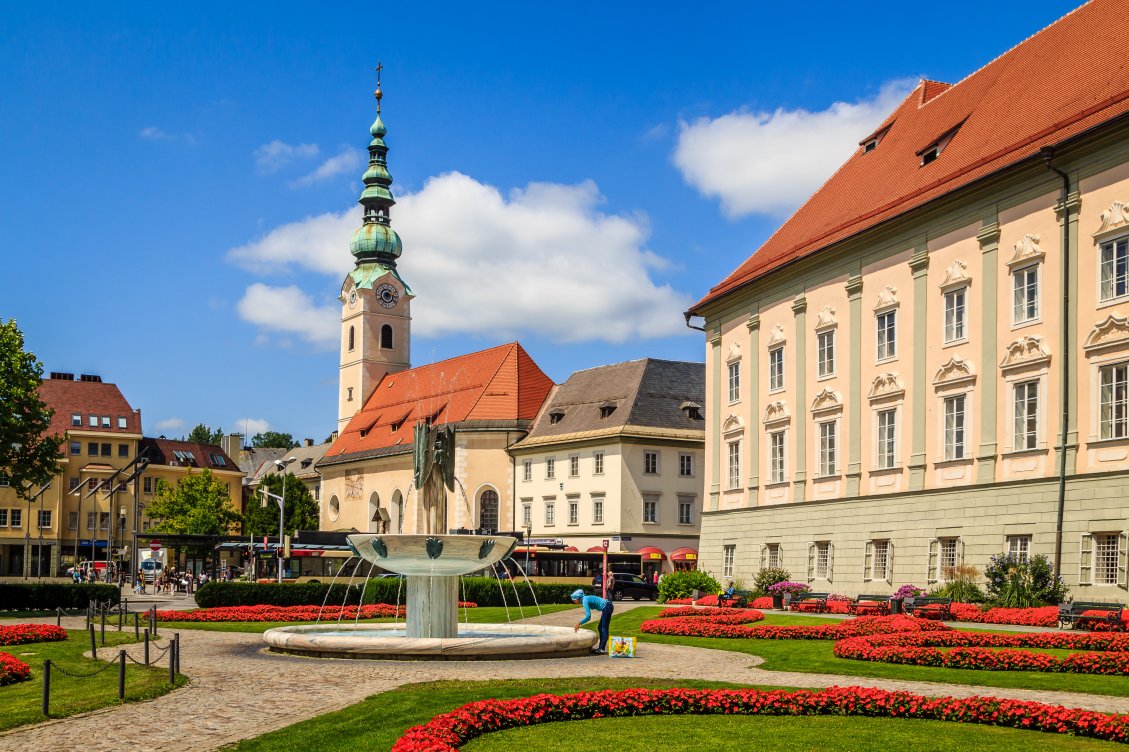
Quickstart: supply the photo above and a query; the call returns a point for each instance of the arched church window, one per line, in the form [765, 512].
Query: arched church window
[386, 337]
[352, 340]
[488, 511]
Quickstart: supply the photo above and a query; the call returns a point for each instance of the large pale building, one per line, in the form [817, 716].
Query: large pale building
[928, 363]
[616, 454]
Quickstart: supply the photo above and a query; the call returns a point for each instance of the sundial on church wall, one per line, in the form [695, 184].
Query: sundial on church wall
[354, 485]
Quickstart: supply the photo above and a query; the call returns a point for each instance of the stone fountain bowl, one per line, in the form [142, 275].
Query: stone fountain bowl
[432, 555]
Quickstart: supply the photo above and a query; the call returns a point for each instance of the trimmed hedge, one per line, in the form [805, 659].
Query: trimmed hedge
[481, 590]
[46, 596]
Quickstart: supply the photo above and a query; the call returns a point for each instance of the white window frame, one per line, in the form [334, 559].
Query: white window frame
[1026, 418]
[3, 517]
[651, 462]
[878, 563]
[886, 347]
[597, 509]
[955, 315]
[821, 557]
[956, 437]
[1019, 547]
[43, 519]
[733, 464]
[597, 463]
[734, 380]
[15, 517]
[527, 513]
[886, 447]
[777, 456]
[550, 468]
[825, 353]
[773, 557]
[685, 465]
[651, 509]
[728, 554]
[573, 510]
[1025, 295]
[685, 505]
[574, 466]
[1115, 425]
[551, 511]
[776, 369]
[1105, 544]
[1110, 277]
[827, 446]
[527, 471]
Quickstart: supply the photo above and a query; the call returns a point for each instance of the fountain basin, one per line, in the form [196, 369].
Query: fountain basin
[483, 642]
[432, 555]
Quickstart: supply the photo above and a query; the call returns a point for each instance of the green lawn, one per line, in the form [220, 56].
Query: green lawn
[481, 615]
[21, 702]
[816, 657]
[780, 734]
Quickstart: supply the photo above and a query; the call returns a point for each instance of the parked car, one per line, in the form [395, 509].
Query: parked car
[628, 586]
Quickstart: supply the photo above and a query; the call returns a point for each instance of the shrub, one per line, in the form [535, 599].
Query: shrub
[13, 670]
[47, 596]
[1023, 584]
[683, 583]
[961, 585]
[908, 591]
[19, 634]
[788, 587]
[767, 577]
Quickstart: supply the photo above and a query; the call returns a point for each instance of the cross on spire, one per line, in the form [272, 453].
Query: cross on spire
[378, 93]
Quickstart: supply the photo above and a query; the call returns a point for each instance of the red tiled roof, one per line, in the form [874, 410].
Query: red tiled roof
[1064, 80]
[502, 383]
[163, 452]
[87, 398]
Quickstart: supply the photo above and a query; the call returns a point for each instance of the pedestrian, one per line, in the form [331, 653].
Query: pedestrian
[605, 607]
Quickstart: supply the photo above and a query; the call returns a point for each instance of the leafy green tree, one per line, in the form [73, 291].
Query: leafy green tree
[301, 510]
[203, 434]
[199, 505]
[28, 456]
[273, 440]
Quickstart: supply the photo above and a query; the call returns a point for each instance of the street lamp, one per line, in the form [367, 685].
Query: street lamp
[281, 465]
[27, 535]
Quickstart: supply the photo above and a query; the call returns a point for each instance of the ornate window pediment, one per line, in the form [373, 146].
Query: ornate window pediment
[887, 298]
[732, 423]
[886, 385]
[734, 353]
[1116, 217]
[826, 318]
[776, 412]
[776, 336]
[956, 371]
[1024, 351]
[1111, 333]
[1027, 249]
[826, 401]
[956, 274]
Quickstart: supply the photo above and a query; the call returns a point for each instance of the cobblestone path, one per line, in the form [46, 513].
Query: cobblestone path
[230, 673]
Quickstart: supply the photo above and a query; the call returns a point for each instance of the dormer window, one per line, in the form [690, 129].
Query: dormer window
[870, 143]
[933, 150]
[930, 154]
[556, 417]
[692, 410]
[606, 410]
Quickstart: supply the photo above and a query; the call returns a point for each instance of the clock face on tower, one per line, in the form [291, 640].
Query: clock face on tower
[386, 295]
[352, 298]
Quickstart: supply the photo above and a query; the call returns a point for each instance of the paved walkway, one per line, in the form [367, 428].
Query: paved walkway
[239, 691]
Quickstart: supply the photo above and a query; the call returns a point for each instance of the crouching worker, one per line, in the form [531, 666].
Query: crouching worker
[605, 608]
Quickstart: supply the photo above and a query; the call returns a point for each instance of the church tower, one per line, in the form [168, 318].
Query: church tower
[375, 302]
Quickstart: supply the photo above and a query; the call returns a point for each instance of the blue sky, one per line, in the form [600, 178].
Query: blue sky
[179, 180]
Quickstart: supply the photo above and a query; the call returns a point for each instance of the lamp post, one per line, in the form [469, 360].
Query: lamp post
[281, 465]
[27, 535]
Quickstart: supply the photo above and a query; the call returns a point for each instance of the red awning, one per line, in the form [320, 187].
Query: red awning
[684, 554]
[596, 550]
[650, 553]
[574, 548]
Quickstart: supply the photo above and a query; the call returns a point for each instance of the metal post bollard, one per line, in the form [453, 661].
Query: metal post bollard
[121, 675]
[172, 662]
[103, 627]
[46, 686]
[176, 638]
[121, 616]
[136, 625]
[146, 647]
[93, 643]
[58, 616]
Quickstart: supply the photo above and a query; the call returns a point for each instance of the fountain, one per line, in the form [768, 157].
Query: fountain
[432, 563]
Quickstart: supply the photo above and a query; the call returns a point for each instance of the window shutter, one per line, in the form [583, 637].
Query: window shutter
[764, 557]
[830, 561]
[934, 555]
[1121, 561]
[960, 552]
[890, 562]
[868, 562]
[811, 562]
[1085, 557]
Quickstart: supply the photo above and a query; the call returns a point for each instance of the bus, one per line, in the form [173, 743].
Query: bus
[551, 565]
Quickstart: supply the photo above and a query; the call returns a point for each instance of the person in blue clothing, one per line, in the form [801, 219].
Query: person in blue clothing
[605, 608]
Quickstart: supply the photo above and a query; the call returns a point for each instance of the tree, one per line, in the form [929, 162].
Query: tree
[203, 434]
[273, 439]
[301, 510]
[28, 456]
[198, 505]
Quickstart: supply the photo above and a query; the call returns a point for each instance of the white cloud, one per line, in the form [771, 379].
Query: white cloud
[542, 260]
[770, 162]
[155, 134]
[289, 310]
[272, 157]
[250, 426]
[348, 160]
[169, 424]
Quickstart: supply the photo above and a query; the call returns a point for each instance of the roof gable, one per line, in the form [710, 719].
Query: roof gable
[69, 397]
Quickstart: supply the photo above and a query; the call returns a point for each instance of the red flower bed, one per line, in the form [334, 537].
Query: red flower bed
[444, 733]
[18, 634]
[730, 622]
[1042, 616]
[280, 613]
[973, 650]
[13, 670]
[764, 601]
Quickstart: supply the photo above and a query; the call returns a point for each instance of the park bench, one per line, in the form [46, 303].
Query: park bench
[814, 602]
[879, 604]
[739, 599]
[924, 606]
[1081, 613]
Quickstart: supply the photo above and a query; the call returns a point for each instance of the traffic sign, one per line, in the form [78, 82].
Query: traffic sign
[605, 545]
[155, 545]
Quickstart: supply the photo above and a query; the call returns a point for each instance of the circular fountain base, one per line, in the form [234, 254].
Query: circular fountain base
[475, 642]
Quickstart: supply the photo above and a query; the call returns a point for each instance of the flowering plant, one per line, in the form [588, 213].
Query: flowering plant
[908, 591]
[282, 613]
[13, 670]
[731, 622]
[446, 732]
[788, 586]
[18, 634]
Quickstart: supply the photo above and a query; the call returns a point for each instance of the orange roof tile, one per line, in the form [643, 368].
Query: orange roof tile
[87, 398]
[1058, 83]
[502, 383]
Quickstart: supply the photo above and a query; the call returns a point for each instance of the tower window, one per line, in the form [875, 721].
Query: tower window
[349, 390]
[352, 338]
[386, 337]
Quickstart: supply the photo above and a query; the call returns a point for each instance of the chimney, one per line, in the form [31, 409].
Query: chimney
[233, 445]
[309, 442]
[333, 437]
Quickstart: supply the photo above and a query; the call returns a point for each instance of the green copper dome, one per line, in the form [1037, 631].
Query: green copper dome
[374, 241]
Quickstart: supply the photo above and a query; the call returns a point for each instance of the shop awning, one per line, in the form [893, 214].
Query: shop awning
[650, 553]
[574, 548]
[596, 550]
[684, 554]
